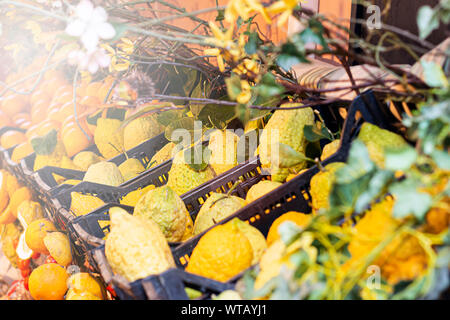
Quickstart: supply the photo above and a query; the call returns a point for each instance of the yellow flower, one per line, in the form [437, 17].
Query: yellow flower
[244, 9]
[120, 57]
[284, 8]
[246, 93]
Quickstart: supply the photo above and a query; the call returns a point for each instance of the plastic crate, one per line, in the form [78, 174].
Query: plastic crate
[261, 213]
[89, 233]
[44, 180]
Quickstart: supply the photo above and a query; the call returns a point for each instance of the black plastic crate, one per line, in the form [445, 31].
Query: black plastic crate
[60, 202]
[169, 285]
[44, 180]
[88, 232]
[261, 213]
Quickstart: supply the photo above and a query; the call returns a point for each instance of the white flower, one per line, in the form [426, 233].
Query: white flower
[90, 24]
[91, 60]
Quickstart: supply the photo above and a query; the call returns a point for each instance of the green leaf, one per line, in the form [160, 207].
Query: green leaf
[442, 159]
[233, 86]
[313, 134]
[309, 36]
[409, 200]
[253, 43]
[218, 116]
[400, 158]
[376, 187]
[166, 117]
[286, 61]
[434, 75]
[288, 157]
[185, 123]
[220, 15]
[197, 157]
[358, 164]
[46, 144]
[116, 113]
[427, 21]
[268, 86]
[289, 232]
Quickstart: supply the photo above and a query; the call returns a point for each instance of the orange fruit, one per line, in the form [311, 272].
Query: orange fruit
[35, 234]
[39, 112]
[300, 219]
[14, 104]
[11, 138]
[21, 151]
[21, 116]
[93, 88]
[5, 120]
[63, 98]
[9, 215]
[47, 126]
[54, 115]
[39, 95]
[48, 282]
[68, 88]
[19, 196]
[4, 195]
[75, 140]
[90, 102]
[12, 184]
[26, 124]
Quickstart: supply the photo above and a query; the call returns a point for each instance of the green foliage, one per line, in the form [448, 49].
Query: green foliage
[46, 144]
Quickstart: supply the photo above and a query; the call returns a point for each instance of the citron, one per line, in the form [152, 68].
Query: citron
[223, 146]
[104, 172]
[286, 127]
[183, 178]
[131, 168]
[140, 130]
[136, 247]
[86, 158]
[261, 188]
[298, 218]
[82, 204]
[321, 184]
[35, 234]
[377, 140]
[82, 282]
[109, 137]
[330, 149]
[166, 208]
[256, 238]
[48, 282]
[216, 208]
[164, 154]
[58, 245]
[222, 253]
[132, 198]
[29, 211]
[85, 295]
